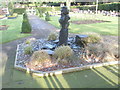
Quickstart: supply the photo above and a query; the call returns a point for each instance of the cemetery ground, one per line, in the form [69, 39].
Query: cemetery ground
[103, 77]
[107, 26]
[13, 31]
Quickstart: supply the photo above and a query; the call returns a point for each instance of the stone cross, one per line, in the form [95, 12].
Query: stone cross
[64, 22]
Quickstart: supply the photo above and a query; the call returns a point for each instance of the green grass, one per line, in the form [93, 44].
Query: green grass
[14, 30]
[105, 28]
[102, 77]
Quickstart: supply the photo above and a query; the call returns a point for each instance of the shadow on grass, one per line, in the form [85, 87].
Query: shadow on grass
[48, 82]
[90, 79]
[114, 67]
[84, 79]
[112, 71]
[59, 83]
[55, 85]
[105, 77]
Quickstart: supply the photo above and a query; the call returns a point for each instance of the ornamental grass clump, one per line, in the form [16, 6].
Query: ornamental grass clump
[104, 51]
[40, 57]
[29, 40]
[28, 50]
[92, 37]
[52, 36]
[63, 52]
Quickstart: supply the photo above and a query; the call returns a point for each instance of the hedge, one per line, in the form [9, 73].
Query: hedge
[46, 9]
[26, 27]
[106, 7]
[19, 10]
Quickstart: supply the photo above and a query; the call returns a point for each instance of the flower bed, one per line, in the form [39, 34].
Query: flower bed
[22, 61]
[2, 16]
[13, 16]
[3, 27]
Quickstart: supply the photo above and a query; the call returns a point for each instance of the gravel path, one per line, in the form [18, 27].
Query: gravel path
[40, 28]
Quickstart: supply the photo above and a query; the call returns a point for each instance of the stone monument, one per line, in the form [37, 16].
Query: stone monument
[64, 22]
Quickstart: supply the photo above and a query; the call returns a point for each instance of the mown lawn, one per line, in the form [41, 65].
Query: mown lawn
[105, 28]
[103, 77]
[14, 30]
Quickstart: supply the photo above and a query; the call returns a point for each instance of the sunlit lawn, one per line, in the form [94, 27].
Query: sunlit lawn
[105, 28]
[103, 77]
[14, 30]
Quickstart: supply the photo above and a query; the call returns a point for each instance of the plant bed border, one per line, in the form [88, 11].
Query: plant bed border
[61, 71]
[12, 17]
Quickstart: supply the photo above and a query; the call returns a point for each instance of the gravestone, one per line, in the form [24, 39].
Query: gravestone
[64, 22]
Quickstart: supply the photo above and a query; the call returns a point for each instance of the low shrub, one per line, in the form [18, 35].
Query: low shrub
[47, 16]
[105, 6]
[19, 10]
[15, 14]
[43, 10]
[37, 12]
[52, 36]
[105, 51]
[26, 27]
[29, 40]
[63, 52]
[92, 37]
[116, 51]
[63, 61]
[40, 14]
[40, 57]
[28, 50]
[109, 6]
[72, 58]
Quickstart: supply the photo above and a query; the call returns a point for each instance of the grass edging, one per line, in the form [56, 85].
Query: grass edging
[61, 71]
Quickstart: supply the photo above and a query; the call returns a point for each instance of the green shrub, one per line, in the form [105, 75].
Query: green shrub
[92, 37]
[63, 52]
[37, 12]
[47, 16]
[107, 7]
[42, 10]
[28, 50]
[52, 36]
[72, 58]
[40, 57]
[63, 61]
[94, 49]
[57, 8]
[26, 27]
[19, 10]
[110, 6]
